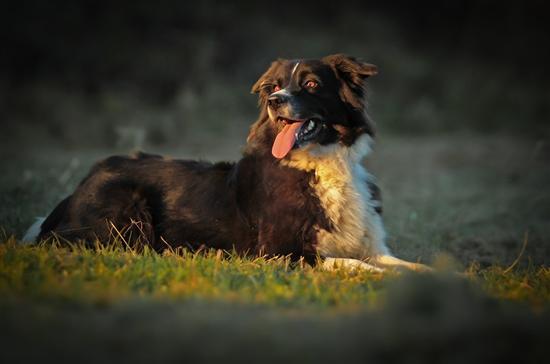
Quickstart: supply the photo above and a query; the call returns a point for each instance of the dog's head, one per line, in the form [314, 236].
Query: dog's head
[311, 102]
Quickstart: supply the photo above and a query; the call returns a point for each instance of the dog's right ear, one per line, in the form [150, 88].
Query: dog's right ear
[265, 78]
[258, 85]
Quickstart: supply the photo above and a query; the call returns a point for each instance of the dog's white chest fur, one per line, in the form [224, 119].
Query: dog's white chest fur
[341, 184]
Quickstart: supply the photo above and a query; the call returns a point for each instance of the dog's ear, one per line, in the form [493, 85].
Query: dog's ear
[353, 72]
[257, 87]
[350, 69]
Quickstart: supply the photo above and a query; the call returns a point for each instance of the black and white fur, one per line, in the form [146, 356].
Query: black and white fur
[315, 201]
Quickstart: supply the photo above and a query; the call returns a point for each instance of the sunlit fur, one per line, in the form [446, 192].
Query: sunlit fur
[340, 183]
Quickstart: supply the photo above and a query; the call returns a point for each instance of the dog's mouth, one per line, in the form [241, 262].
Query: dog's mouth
[295, 133]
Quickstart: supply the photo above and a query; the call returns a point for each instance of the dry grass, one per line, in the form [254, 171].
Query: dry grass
[113, 303]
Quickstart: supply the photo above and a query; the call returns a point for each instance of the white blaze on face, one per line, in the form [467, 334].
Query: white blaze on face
[294, 70]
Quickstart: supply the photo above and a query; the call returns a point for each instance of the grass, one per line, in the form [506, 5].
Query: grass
[111, 304]
[108, 274]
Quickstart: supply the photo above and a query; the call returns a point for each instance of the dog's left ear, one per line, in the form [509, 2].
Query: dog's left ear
[353, 73]
[350, 69]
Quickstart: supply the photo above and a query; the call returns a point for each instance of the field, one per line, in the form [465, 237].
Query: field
[462, 107]
[467, 203]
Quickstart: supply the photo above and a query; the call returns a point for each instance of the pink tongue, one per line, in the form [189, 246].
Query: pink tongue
[285, 140]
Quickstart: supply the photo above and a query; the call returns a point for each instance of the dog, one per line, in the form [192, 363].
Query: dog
[299, 190]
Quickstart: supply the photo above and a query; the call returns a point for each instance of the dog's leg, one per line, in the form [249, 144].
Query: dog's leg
[349, 264]
[388, 261]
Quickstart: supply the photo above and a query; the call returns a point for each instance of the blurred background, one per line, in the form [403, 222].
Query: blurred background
[461, 102]
[161, 72]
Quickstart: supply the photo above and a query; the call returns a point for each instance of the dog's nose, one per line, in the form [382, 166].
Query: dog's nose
[275, 100]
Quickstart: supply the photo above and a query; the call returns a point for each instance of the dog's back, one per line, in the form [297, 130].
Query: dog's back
[141, 198]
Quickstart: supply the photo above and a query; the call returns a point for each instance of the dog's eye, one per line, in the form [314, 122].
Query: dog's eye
[271, 88]
[311, 84]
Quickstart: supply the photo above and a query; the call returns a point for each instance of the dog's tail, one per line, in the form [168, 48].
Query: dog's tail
[33, 231]
[45, 225]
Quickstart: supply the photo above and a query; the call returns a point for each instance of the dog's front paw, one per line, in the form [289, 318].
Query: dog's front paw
[349, 264]
[388, 261]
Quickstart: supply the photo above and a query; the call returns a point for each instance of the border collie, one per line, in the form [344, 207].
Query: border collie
[300, 188]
